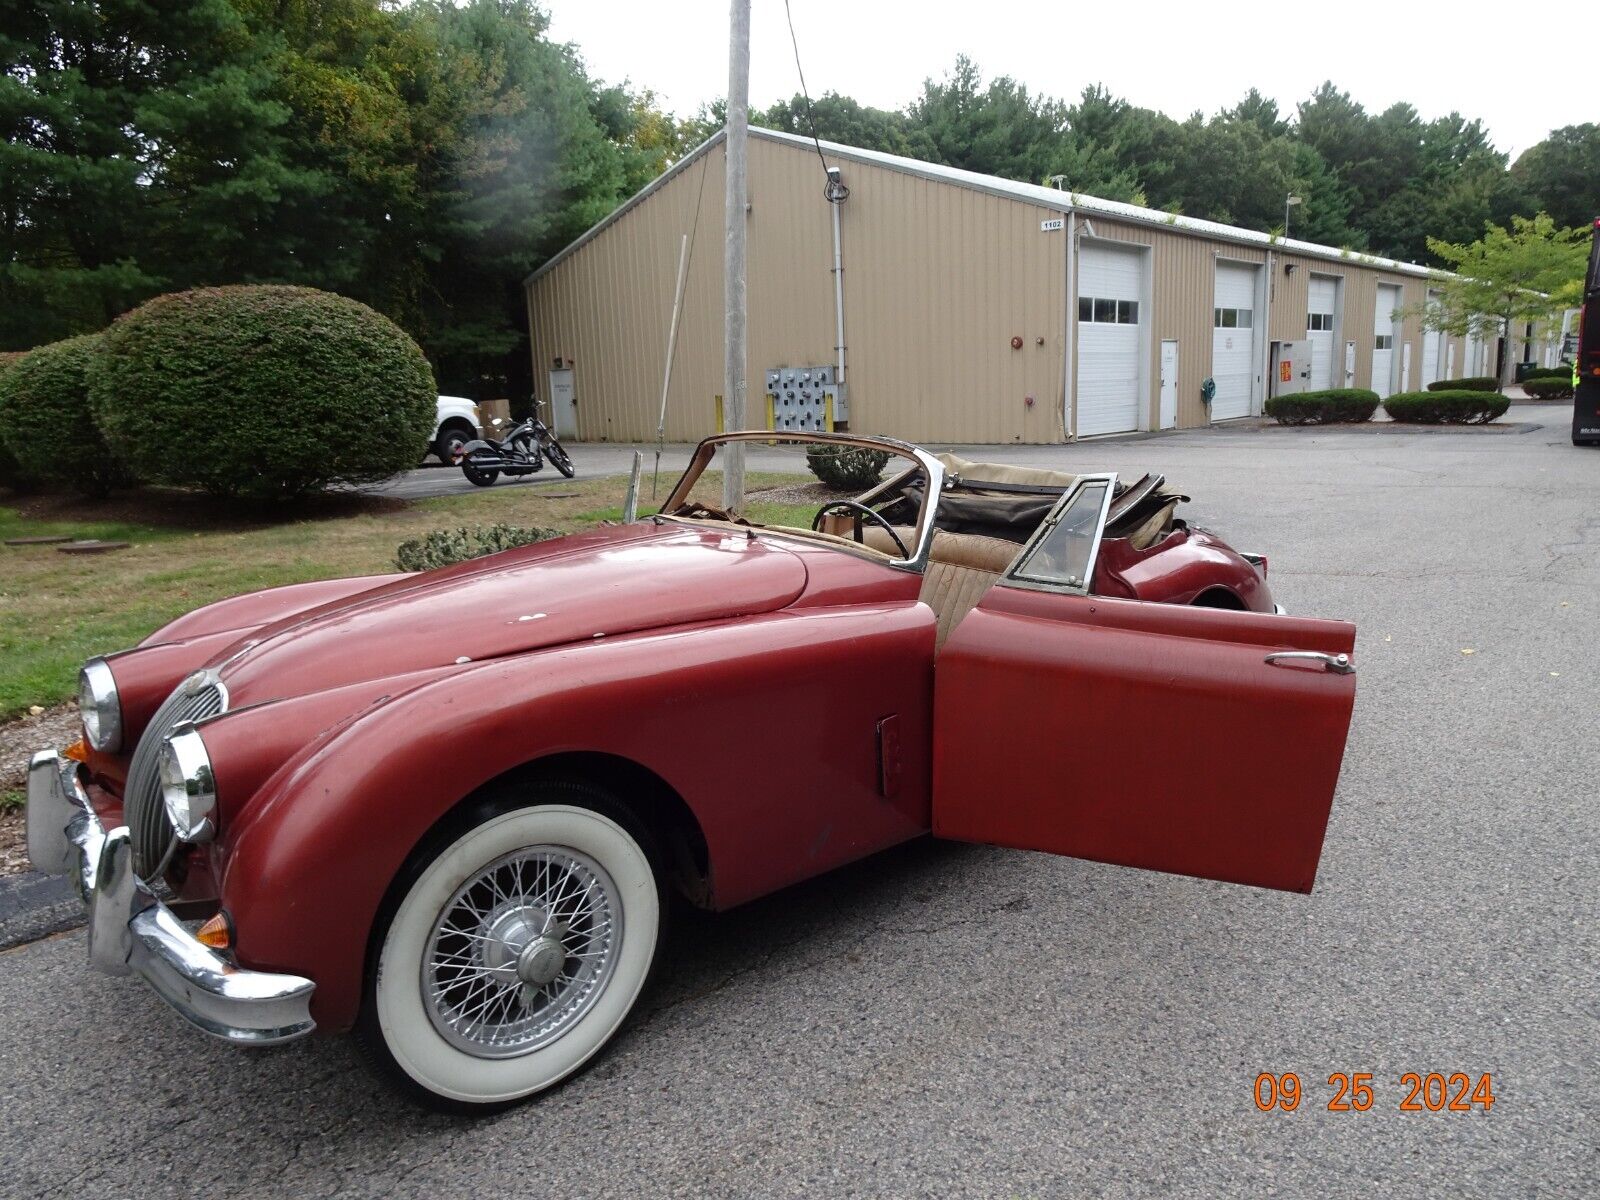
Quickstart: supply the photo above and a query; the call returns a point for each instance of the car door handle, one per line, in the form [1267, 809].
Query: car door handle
[1339, 664]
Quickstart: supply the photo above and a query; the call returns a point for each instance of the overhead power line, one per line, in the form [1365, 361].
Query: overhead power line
[834, 190]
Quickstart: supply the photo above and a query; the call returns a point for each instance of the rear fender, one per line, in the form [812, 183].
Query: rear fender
[766, 727]
[480, 444]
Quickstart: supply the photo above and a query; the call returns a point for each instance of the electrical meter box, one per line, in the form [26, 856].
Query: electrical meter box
[1291, 367]
[805, 398]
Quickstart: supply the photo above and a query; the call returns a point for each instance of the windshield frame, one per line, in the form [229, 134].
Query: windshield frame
[932, 468]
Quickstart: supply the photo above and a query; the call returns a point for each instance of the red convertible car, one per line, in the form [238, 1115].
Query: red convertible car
[447, 811]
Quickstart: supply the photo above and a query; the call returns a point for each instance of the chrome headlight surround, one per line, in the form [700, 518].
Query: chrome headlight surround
[99, 706]
[188, 789]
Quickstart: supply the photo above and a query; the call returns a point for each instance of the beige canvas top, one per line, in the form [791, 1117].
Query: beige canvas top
[974, 472]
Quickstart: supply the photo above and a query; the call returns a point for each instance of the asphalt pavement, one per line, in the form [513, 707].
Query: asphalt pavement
[959, 1020]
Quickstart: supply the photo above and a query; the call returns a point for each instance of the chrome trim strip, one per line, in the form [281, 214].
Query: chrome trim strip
[131, 931]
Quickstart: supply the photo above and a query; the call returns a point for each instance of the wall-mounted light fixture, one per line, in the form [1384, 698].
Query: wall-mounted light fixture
[1288, 268]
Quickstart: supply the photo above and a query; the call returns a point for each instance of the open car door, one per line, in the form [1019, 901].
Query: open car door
[1199, 741]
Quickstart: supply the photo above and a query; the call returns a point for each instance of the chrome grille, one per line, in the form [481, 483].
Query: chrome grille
[197, 697]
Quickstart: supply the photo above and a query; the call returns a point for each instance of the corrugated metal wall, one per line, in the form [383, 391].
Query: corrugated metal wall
[938, 280]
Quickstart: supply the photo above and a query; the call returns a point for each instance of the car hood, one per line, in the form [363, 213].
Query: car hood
[607, 582]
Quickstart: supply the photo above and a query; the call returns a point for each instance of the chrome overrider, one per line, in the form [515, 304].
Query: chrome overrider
[131, 931]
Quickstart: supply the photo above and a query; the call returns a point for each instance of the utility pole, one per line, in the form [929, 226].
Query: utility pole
[735, 201]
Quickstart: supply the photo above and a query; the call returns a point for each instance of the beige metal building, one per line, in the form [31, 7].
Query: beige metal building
[974, 309]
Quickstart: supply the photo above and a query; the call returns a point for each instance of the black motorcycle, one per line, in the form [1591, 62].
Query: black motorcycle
[521, 452]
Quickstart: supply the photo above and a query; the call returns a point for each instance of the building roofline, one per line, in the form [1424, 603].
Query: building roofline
[626, 206]
[1048, 197]
[1030, 193]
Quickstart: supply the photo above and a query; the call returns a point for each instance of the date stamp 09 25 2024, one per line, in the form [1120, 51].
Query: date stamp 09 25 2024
[1353, 1091]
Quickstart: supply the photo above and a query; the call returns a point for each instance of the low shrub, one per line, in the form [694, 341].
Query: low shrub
[1548, 373]
[263, 392]
[1473, 383]
[1333, 406]
[47, 423]
[1446, 408]
[1549, 387]
[441, 547]
[846, 467]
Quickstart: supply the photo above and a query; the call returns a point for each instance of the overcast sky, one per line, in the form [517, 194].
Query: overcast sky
[1168, 56]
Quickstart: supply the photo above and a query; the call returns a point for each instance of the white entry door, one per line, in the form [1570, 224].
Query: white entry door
[564, 404]
[1320, 309]
[1432, 340]
[1383, 332]
[1110, 309]
[1169, 384]
[1234, 361]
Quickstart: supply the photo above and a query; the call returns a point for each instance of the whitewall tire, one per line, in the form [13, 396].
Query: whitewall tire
[515, 950]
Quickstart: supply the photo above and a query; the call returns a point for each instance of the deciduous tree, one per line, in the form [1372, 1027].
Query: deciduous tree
[1528, 272]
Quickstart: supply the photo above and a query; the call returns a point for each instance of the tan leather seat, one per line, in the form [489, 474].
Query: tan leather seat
[961, 568]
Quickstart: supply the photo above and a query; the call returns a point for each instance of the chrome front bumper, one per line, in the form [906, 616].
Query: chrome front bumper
[130, 930]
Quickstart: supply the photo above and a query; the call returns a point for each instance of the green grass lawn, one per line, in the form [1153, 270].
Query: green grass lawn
[57, 610]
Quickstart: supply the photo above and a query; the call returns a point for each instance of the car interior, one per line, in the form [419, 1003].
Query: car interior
[986, 514]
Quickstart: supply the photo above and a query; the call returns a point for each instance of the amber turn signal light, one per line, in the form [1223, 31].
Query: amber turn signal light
[77, 752]
[216, 933]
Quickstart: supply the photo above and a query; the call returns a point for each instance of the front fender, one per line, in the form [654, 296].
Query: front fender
[766, 727]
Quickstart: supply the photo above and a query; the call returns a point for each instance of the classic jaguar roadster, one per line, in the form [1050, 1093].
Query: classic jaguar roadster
[448, 811]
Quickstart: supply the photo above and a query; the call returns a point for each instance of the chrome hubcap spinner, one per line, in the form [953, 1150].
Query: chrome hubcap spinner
[521, 952]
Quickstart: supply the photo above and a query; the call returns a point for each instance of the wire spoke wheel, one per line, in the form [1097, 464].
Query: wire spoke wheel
[521, 951]
[521, 936]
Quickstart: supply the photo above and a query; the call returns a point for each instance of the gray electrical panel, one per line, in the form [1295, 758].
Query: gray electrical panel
[805, 398]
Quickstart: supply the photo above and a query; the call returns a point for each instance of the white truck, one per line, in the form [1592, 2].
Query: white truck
[458, 422]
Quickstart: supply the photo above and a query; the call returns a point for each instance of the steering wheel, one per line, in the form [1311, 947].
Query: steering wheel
[859, 511]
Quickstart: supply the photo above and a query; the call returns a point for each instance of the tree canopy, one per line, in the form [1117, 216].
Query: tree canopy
[1527, 273]
[422, 158]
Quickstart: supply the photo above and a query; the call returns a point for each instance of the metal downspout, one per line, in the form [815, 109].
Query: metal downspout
[838, 286]
[1069, 366]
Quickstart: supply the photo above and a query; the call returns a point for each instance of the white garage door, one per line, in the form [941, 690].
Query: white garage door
[1320, 307]
[1110, 308]
[1383, 327]
[1432, 340]
[1233, 343]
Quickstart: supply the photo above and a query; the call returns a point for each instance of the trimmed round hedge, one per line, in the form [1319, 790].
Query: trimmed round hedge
[263, 392]
[1446, 408]
[1549, 387]
[1328, 407]
[11, 475]
[1472, 383]
[1549, 373]
[848, 467]
[46, 421]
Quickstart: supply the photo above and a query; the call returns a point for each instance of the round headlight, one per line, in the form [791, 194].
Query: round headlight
[187, 788]
[99, 706]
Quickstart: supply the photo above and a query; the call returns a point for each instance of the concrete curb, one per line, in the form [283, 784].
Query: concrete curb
[33, 906]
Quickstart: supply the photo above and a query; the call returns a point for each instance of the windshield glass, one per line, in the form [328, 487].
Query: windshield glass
[1062, 554]
[863, 492]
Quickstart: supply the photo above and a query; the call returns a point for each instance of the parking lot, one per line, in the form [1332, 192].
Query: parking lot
[961, 1020]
